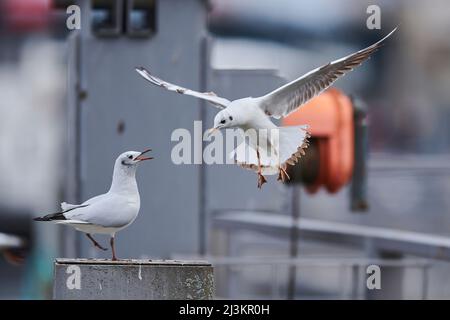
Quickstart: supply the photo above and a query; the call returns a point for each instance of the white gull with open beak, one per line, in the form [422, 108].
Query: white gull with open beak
[110, 212]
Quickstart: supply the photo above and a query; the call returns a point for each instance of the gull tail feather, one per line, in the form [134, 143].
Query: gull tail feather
[289, 145]
[292, 144]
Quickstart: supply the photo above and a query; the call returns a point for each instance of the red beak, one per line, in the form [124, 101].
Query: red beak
[141, 156]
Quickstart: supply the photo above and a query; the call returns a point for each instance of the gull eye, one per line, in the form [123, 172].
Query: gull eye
[223, 121]
[231, 118]
[130, 157]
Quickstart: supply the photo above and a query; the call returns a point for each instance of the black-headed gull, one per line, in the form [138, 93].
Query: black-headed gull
[288, 144]
[110, 212]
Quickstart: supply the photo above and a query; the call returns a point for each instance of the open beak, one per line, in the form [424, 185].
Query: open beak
[141, 156]
[209, 132]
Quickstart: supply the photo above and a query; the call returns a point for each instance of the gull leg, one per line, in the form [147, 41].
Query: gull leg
[111, 242]
[261, 178]
[96, 244]
[283, 175]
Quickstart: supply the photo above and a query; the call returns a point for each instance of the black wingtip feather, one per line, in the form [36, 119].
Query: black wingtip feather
[51, 217]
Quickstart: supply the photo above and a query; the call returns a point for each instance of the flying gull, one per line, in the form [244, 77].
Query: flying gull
[271, 153]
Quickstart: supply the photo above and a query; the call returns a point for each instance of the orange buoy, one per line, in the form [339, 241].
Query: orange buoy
[330, 117]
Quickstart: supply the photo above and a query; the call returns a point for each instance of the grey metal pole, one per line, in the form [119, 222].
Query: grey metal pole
[294, 238]
[391, 278]
[356, 276]
[358, 189]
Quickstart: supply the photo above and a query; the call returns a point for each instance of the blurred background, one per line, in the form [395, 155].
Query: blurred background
[71, 101]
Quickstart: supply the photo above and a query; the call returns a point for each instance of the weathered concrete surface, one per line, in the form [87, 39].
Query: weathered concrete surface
[132, 279]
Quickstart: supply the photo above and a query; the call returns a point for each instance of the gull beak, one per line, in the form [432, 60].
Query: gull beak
[209, 132]
[141, 156]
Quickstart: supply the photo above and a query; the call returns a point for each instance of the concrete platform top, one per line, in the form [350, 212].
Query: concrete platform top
[127, 262]
[133, 279]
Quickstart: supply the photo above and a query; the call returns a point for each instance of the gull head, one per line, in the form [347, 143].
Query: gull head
[223, 119]
[132, 158]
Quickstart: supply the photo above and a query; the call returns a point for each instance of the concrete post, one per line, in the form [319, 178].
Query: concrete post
[132, 279]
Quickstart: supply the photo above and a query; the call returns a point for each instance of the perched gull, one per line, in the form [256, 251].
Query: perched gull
[253, 113]
[109, 212]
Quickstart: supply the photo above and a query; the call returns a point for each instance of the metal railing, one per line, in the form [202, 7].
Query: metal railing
[228, 273]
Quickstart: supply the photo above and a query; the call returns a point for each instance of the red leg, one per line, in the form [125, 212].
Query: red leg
[114, 258]
[283, 175]
[95, 242]
[261, 178]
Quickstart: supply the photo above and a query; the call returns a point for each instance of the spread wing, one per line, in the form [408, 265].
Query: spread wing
[211, 97]
[289, 97]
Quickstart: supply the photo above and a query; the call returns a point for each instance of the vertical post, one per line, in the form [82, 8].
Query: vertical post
[355, 281]
[75, 94]
[294, 238]
[274, 277]
[358, 188]
[203, 214]
[391, 279]
[425, 280]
